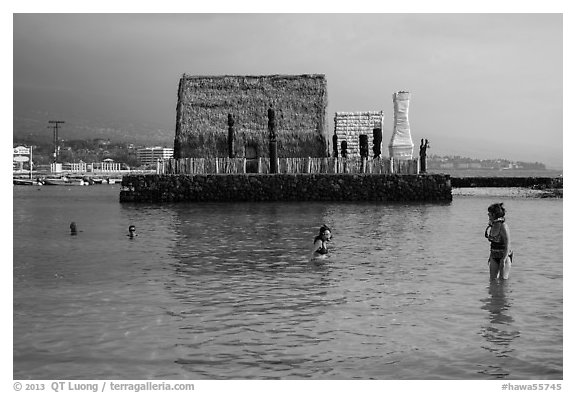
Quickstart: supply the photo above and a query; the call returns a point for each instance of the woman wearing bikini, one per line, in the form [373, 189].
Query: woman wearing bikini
[498, 234]
[321, 242]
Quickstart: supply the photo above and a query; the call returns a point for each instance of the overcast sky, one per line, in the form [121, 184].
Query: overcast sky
[483, 85]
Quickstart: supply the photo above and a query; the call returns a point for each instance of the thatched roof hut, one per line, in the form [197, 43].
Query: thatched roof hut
[204, 102]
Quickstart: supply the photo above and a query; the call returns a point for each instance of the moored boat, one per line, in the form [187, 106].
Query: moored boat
[112, 180]
[63, 181]
[25, 182]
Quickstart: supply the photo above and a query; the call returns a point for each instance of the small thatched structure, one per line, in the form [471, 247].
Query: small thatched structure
[204, 102]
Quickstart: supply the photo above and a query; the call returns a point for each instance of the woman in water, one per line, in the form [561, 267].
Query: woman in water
[321, 242]
[498, 234]
[132, 232]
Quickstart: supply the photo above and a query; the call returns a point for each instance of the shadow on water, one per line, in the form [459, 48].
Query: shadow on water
[497, 331]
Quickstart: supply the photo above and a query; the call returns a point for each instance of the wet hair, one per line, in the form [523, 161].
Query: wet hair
[497, 209]
[323, 228]
[131, 228]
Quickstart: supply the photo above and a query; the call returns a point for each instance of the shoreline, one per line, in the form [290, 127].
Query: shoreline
[512, 192]
[515, 187]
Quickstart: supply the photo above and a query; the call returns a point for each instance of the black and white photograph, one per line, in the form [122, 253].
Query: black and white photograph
[313, 196]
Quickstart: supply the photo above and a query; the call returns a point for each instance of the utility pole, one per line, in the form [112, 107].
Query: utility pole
[56, 145]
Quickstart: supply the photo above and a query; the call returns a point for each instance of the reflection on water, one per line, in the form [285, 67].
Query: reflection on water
[227, 291]
[499, 332]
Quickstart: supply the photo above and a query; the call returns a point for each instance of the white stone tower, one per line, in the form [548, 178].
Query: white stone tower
[401, 146]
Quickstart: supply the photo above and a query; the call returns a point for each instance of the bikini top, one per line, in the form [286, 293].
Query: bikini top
[322, 249]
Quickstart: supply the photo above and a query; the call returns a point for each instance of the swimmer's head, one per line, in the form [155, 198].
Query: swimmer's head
[325, 231]
[131, 228]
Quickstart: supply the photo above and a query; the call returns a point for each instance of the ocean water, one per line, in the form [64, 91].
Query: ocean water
[227, 290]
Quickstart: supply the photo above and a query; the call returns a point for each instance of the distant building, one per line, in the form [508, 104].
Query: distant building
[149, 155]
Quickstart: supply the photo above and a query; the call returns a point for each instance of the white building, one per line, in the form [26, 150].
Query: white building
[149, 155]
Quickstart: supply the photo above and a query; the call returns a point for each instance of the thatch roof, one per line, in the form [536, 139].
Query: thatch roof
[204, 103]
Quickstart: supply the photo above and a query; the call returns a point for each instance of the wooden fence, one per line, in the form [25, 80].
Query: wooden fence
[288, 165]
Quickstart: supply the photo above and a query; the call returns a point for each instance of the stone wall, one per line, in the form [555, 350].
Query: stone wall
[348, 126]
[285, 187]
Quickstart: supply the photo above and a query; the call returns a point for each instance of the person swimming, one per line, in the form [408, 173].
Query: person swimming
[132, 231]
[73, 229]
[321, 242]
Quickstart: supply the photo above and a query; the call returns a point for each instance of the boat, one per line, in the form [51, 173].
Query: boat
[63, 181]
[25, 182]
[112, 180]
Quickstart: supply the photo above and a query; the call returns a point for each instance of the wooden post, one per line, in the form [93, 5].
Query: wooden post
[377, 142]
[231, 153]
[273, 147]
[424, 145]
[335, 144]
[344, 154]
[363, 139]
[177, 149]
[30, 162]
